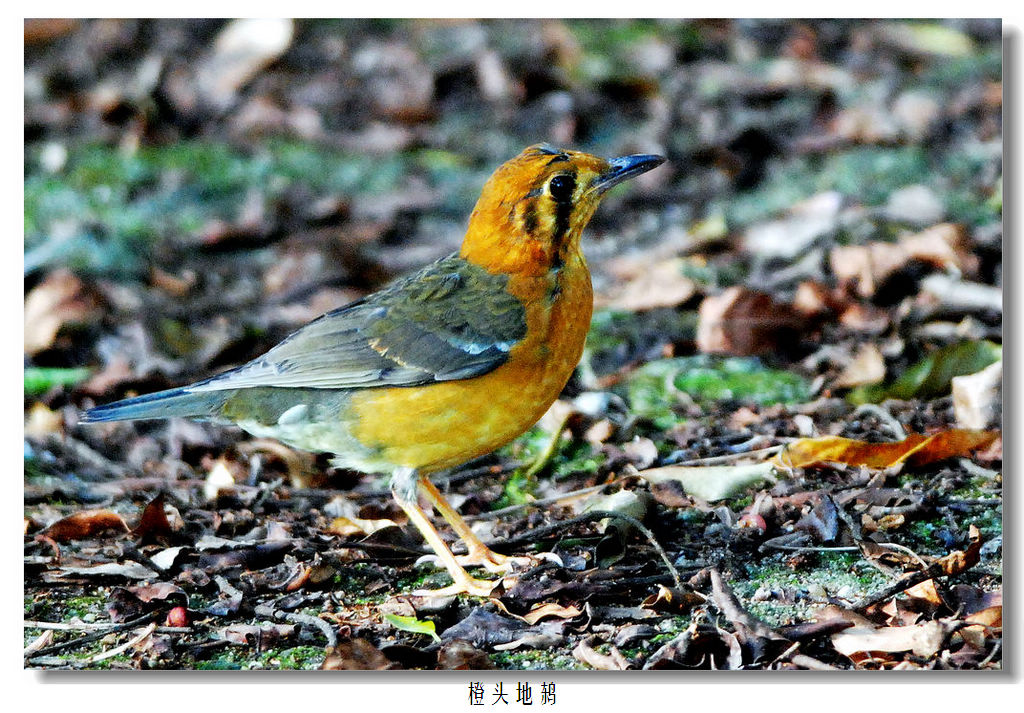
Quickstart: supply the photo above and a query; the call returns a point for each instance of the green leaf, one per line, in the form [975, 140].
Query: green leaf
[39, 380]
[412, 625]
[933, 375]
[658, 386]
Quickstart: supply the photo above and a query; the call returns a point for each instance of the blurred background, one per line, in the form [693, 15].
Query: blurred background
[215, 184]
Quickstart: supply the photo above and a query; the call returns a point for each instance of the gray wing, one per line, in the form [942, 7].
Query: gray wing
[451, 320]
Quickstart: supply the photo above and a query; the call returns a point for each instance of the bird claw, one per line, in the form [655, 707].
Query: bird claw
[493, 562]
[470, 585]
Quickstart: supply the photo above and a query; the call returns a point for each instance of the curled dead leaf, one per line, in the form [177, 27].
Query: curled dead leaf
[60, 299]
[87, 523]
[741, 321]
[355, 655]
[924, 640]
[154, 520]
[868, 266]
[915, 450]
[672, 600]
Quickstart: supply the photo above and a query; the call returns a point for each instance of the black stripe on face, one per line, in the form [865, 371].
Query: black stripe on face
[559, 159]
[563, 212]
[530, 217]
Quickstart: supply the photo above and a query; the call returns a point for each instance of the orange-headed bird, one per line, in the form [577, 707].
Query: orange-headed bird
[441, 366]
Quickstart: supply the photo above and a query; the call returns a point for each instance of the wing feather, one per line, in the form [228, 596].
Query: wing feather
[451, 320]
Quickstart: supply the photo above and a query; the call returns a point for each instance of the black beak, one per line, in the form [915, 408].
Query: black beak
[625, 167]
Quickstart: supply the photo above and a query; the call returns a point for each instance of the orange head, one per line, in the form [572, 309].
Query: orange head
[533, 209]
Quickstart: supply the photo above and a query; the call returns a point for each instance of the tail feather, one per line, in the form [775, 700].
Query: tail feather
[162, 404]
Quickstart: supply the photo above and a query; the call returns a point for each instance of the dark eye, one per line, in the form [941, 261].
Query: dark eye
[561, 188]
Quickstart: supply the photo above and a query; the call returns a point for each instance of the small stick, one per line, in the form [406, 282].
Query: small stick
[96, 636]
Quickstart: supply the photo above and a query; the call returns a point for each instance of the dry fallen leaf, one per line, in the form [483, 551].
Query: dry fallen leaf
[915, 450]
[240, 51]
[355, 655]
[60, 299]
[264, 634]
[671, 600]
[868, 266]
[659, 285]
[127, 569]
[742, 322]
[87, 523]
[924, 640]
[961, 561]
[977, 398]
[41, 421]
[154, 520]
[613, 661]
[550, 609]
[459, 655]
[867, 367]
[712, 482]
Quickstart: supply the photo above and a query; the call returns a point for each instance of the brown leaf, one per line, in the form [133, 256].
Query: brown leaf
[867, 367]
[675, 601]
[459, 655]
[355, 655]
[661, 284]
[551, 609]
[158, 591]
[868, 266]
[741, 321]
[41, 421]
[961, 561]
[60, 299]
[612, 661]
[87, 523]
[927, 593]
[914, 450]
[924, 640]
[154, 520]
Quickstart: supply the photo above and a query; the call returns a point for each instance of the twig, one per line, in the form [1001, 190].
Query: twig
[86, 626]
[316, 622]
[887, 419]
[726, 600]
[904, 582]
[812, 664]
[797, 548]
[591, 516]
[497, 514]
[96, 636]
[713, 460]
[148, 631]
[550, 449]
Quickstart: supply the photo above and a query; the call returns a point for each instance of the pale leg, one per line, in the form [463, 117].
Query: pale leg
[403, 487]
[477, 553]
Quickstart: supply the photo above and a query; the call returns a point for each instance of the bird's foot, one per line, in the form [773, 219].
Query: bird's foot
[494, 562]
[463, 585]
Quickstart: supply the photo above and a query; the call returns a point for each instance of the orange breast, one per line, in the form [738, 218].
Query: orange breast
[442, 425]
